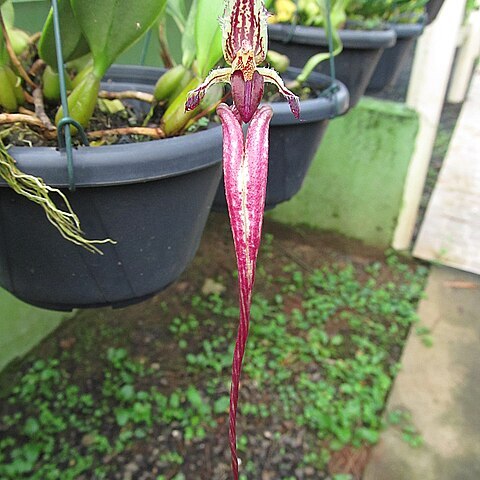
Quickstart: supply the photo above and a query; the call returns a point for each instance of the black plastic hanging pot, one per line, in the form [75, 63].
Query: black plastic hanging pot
[392, 59]
[152, 198]
[354, 66]
[293, 143]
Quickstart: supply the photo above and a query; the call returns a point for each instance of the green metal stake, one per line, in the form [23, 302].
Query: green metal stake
[63, 129]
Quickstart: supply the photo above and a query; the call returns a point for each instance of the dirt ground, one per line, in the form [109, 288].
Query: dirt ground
[184, 336]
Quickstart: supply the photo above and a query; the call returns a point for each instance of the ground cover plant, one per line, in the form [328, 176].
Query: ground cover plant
[142, 392]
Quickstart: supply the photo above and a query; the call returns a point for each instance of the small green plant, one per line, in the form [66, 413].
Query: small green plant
[321, 359]
[342, 476]
[51, 414]
[425, 335]
[403, 420]
[345, 405]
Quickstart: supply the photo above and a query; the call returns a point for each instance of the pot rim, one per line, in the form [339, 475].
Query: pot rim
[311, 110]
[351, 38]
[408, 30]
[112, 164]
[156, 159]
[315, 109]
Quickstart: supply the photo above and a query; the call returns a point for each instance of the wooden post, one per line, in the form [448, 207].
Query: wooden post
[428, 85]
[469, 53]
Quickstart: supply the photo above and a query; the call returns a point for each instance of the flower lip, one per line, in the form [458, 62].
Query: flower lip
[246, 94]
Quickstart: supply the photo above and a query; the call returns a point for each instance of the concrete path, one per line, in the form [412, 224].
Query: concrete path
[440, 387]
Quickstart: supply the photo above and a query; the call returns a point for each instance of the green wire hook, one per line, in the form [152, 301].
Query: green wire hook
[333, 88]
[64, 132]
[330, 42]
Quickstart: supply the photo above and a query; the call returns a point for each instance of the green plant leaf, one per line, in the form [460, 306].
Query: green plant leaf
[313, 61]
[122, 416]
[178, 11]
[111, 26]
[194, 397]
[221, 405]
[208, 35]
[127, 393]
[8, 99]
[369, 435]
[8, 12]
[188, 37]
[31, 427]
[74, 44]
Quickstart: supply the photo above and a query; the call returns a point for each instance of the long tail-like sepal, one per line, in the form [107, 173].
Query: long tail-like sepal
[245, 172]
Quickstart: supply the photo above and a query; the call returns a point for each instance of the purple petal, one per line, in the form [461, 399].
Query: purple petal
[245, 167]
[271, 76]
[246, 94]
[194, 97]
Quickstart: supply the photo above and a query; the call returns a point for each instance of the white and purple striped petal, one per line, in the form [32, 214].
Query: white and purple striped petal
[245, 166]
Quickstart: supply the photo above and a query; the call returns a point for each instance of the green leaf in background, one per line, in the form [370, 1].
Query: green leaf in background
[18, 38]
[8, 13]
[111, 26]
[313, 61]
[4, 59]
[387, 10]
[188, 38]
[178, 11]
[208, 35]
[74, 44]
[8, 99]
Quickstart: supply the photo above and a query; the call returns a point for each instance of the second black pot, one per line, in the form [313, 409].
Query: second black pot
[392, 59]
[354, 66]
[293, 143]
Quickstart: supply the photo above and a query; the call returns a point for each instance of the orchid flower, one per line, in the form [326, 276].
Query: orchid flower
[245, 161]
[245, 45]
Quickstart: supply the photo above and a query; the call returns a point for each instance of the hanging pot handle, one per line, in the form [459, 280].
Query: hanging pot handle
[64, 132]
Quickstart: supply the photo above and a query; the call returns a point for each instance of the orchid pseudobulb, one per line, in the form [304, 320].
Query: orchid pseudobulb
[245, 161]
